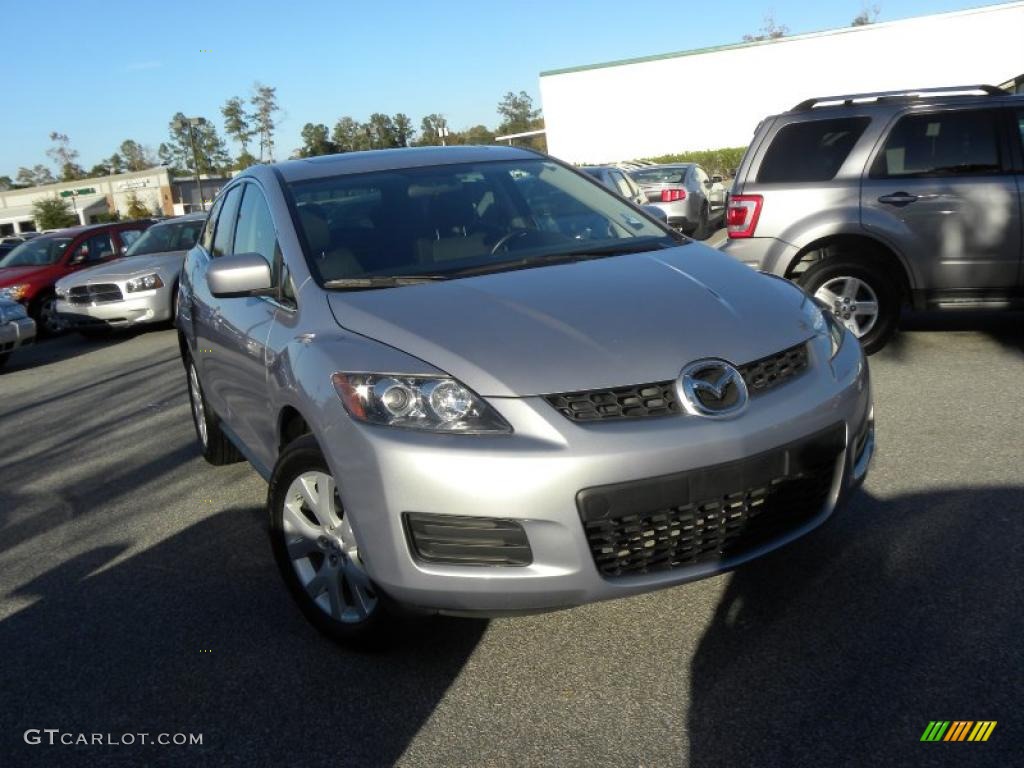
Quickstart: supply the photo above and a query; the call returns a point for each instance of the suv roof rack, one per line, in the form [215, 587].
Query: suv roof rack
[906, 95]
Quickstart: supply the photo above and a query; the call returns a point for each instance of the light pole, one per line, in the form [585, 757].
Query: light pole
[187, 124]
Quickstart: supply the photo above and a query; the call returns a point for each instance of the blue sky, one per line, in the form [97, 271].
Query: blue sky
[104, 72]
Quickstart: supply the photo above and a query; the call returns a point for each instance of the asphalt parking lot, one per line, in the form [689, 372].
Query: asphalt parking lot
[138, 594]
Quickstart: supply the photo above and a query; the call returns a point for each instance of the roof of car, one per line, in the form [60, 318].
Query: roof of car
[75, 231]
[392, 159]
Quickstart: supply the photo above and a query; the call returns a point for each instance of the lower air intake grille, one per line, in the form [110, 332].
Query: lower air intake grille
[709, 514]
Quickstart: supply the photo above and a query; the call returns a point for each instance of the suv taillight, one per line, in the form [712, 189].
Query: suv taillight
[742, 214]
[671, 195]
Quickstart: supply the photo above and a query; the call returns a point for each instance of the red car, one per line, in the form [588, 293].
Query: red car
[28, 273]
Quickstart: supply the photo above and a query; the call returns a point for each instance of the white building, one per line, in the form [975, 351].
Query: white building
[89, 198]
[714, 97]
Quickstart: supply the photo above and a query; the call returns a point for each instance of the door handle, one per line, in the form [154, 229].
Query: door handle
[898, 198]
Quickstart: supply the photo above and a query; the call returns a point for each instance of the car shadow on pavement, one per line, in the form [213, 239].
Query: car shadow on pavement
[840, 649]
[1005, 327]
[64, 347]
[197, 635]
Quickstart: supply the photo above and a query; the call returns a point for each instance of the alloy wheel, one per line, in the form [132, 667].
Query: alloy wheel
[49, 318]
[852, 301]
[323, 551]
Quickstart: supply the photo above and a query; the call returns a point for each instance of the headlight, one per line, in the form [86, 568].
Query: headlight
[433, 403]
[146, 283]
[61, 291]
[15, 292]
[823, 323]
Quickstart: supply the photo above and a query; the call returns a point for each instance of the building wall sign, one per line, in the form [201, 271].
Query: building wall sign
[77, 192]
[133, 184]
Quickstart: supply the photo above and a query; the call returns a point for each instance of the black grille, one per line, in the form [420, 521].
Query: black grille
[99, 293]
[659, 398]
[710, 514]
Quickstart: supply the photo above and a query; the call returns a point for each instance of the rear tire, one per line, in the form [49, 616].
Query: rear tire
[862, 294]
[703, 229]
[317, 553]
[4, 358]
[213, 443]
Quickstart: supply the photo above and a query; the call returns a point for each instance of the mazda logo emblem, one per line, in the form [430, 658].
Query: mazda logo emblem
[712, 388]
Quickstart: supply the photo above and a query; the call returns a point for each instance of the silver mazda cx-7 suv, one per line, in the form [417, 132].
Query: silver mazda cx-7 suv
[477, 382]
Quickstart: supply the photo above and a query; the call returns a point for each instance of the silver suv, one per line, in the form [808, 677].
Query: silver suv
[477, 381]
[874, 200]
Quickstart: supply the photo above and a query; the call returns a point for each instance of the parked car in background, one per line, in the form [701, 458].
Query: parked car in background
[6, 248]
[479, 383]
[17, 329]
[875, 200]
[141, 288]
[29, 272]
[617, 181]
[693, 201]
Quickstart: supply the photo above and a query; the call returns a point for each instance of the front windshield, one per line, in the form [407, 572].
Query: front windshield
[174, 236]
[660, 175]
[38, 252]
[472, 217]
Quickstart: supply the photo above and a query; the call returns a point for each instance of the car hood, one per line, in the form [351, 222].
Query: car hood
[13, 275]
[610, 322]
[126, 268]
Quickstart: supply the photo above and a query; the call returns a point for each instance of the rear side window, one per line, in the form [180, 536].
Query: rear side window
[811, 151]
[943, 144]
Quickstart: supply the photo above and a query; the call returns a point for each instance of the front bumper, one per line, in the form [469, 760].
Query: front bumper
[17, 333]
[140, 309]
[534, 475]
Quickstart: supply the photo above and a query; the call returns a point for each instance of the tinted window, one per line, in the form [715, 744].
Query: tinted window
[944, 144]
[620, 183]
[660, 175]
[226, 222]
[37, 252]
[255, 231]
[812, 151]
[179, 236]
[94, 248]
[442, 219]
[211, 225]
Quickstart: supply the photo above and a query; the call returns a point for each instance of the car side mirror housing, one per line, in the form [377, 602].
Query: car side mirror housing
[656, 212]
[240, 274]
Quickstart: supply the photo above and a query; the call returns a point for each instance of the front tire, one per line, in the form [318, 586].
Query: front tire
[44, 312]
[215, 446]
[864, 297]
[316, 549]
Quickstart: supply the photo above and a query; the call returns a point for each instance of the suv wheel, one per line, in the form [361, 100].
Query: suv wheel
[316, 548]
[215, 445]
[862, 297]
[703, 230]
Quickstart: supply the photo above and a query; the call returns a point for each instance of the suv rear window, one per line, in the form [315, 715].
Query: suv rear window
[812, 151]
[944, 144]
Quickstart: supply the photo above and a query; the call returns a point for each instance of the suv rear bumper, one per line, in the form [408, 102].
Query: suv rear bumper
[764, 253]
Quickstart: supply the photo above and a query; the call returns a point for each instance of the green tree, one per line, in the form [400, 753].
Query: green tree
[211, 154]
[517, 113]
[382, 132]
[868, 15]
[238, 126]
[136, 208]
[53, 213]
[65, 157]
[769, 30]
[6, 182]
[404, 131]
[35, 176]
[264, 102]
[349, 135]
[316, 140]
[244, 160]
[134, 156]
[478, 134]
[431, 128]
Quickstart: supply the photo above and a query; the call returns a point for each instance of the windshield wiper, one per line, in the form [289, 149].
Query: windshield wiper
[379, 281]
[561, 257]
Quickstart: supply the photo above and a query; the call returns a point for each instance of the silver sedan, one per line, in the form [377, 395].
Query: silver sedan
[16, 328]
[139, 289]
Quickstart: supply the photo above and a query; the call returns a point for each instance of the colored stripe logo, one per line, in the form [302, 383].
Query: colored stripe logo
[958, 730]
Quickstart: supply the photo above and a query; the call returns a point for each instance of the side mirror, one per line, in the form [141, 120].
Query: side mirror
[656, 212]
[716, 179]
[240, 274]
[124, 250]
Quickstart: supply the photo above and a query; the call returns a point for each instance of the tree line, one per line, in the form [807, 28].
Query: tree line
[250, 124]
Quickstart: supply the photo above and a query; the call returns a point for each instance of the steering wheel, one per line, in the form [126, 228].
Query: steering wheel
[507, 238]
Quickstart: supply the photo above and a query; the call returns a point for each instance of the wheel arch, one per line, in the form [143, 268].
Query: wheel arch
[291, 425]
[863, 246]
